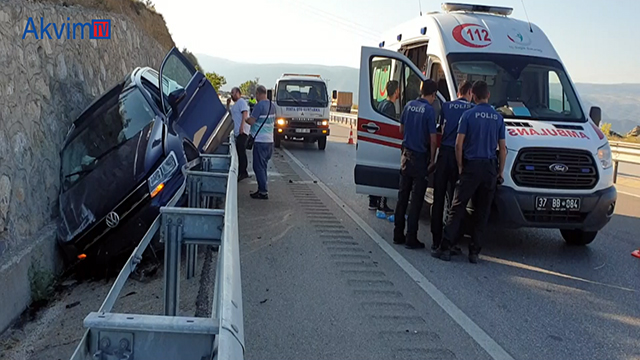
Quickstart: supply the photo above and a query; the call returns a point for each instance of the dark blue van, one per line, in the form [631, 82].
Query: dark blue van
[122, 158]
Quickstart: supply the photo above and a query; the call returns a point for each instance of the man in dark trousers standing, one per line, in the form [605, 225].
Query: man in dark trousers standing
[480, 132]
[446, 167]
[239, 113]
[418, 126]
[388, 108]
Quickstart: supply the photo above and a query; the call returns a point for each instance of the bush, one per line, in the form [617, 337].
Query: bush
[41, 283]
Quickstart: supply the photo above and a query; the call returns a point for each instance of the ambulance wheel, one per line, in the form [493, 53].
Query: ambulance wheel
[322, 143]
[578, 237]
[277, 140]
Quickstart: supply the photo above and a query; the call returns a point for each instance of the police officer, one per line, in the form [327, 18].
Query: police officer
[418, 126]
[480, 131]
[446, 167]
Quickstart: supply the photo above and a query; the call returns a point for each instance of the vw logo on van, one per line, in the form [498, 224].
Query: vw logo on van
[112, 219]
[558, 168]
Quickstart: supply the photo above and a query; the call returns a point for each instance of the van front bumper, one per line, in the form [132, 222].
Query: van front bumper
[515, 209]
[303, 132]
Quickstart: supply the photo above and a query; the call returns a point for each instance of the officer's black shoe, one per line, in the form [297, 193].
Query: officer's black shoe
[434, 247]
[444, 255]
[399, 240]
[415, 244]
[473, 258]
[455, 251]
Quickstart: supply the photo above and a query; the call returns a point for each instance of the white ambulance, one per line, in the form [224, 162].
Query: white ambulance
[558, 172]
[302, 109]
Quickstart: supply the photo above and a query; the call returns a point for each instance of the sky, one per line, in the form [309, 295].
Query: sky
[598, 40]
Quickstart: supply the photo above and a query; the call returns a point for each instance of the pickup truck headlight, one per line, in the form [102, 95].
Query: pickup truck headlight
[162, 174]
[604, 155]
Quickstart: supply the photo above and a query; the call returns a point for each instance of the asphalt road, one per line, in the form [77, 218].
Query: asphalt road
[534, 296]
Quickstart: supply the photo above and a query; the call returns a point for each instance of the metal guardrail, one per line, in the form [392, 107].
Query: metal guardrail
[343, 118]
[623, 152]
[152, 337]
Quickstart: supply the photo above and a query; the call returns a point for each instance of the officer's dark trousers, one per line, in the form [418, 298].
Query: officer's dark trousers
[478, 181]
[445, 177]
[413, 184]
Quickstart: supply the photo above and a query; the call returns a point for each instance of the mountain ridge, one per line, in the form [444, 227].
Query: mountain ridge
[620, 103]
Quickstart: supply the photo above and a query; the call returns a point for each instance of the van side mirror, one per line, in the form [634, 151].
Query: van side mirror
[270, 94]
[175, 98]
[595, 113]
[334, 94]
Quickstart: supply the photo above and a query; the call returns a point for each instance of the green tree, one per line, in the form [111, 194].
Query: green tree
[606, 129]
[192, 58]
[216, 80]
[249, 87]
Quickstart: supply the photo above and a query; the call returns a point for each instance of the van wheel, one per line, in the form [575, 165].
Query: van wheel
[578, 237]
[277, 140]
[322, 143]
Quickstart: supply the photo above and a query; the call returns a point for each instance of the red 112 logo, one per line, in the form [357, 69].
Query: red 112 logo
[472, 35]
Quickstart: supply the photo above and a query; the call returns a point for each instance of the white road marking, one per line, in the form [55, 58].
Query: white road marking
[480, 336]
[628, 194]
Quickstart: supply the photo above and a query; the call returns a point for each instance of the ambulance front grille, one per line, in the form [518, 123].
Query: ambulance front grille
[534, 167]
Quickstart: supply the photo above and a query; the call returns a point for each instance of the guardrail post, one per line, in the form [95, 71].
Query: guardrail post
[615, 172]
[194, 202]
[173, 244]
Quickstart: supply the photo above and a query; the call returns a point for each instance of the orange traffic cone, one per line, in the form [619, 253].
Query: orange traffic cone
[636, 253]
[350, 142]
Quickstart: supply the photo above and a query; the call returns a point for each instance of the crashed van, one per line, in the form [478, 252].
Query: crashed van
[123, 156]
[559, 170]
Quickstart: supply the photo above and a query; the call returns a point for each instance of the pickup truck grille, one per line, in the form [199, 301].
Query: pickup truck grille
[303, 124]
[535, 167]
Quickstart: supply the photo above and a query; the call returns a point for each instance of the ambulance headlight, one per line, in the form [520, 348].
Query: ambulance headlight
[604, 155]
[281, 122]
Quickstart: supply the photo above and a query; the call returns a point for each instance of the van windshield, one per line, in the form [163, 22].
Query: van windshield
[302, 93]
[119, 117]
[522, 87]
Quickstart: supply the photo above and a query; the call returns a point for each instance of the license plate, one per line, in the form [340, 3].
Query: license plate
[303, 131]
[557, 204]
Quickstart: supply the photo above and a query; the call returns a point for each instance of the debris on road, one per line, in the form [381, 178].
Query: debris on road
[73, 304]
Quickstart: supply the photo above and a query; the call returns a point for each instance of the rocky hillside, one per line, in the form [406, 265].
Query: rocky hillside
[44, 85]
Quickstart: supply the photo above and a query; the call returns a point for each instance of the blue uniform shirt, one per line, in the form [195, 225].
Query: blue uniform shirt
[483, 128]
[452, 112]
[419, 120]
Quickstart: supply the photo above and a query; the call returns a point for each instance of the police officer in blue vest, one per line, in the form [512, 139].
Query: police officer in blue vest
[480, 131]
[446, 167]
[418, 126]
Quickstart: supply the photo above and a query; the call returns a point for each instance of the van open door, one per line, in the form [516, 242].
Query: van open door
[377, 170]
[189, 100]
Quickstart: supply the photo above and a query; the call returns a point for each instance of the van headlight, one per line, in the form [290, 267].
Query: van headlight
[604, 155]
[162, 174]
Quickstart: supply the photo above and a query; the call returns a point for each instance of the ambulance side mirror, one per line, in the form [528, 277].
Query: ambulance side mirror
[270, 94]
[334, 94]
[595, 113]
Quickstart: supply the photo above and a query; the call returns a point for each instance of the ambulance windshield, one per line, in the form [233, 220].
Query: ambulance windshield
[521, 86]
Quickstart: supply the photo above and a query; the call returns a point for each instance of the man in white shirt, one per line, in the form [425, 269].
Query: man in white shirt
[239, 114]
